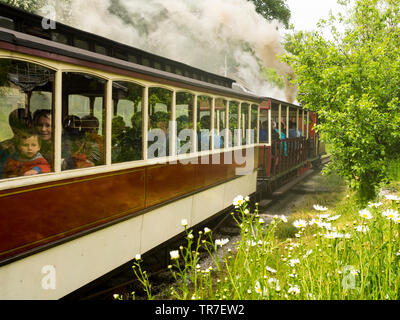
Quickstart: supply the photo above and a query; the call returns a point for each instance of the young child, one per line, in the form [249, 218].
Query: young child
[27, 160]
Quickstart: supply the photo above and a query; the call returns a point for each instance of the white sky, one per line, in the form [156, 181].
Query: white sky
[306, 13]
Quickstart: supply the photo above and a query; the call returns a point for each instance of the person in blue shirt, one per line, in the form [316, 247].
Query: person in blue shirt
[282, 136]
[292, 130]
[264, 132]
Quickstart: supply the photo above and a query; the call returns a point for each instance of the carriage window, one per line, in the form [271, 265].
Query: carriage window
[275, 121]
[120, 55]
[146, 62]
[233, 123]
[184, 122]
[100, 49]
[253, 124]
[26, 112]
[220, 120]
[157, 65]
[83, 112]
[132, 58]
[80, 43]
[244, 123]
[59, 37]
[203, 123]
[160, 110]
[127, 122]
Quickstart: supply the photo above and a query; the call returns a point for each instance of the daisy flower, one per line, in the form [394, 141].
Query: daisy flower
[293, 262]
[300, 223]
[174, 254]
[392, 197]
[324, 216]
[375, 205]
[238, 201]
[270, 269]
[319, 208]
[365, 214]
[334, 235]
[184, 223]
[294, 290]
[221, 242]
[390, 214]
[363, 229]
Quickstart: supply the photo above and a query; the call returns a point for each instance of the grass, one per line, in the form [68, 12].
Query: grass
[342, 253]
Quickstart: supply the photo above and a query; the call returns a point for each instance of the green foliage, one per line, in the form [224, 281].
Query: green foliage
[353, 83]
[272, 76]
[273, 9]
[28, 5]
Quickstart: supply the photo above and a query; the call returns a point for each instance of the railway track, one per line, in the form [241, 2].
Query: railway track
[123, 281]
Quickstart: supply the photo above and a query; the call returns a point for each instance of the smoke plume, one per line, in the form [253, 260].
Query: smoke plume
[226, 37]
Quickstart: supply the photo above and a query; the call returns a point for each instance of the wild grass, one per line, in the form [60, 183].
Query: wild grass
[332, 250]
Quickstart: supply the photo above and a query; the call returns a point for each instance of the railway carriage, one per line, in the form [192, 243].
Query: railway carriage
[136, 143]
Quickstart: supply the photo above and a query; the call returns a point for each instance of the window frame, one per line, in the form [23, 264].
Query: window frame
[60, 67]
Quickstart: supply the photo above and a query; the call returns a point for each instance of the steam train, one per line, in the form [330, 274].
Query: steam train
[121, 173]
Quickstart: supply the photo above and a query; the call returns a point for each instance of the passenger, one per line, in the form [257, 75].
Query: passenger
[275, 132]
[274, 153]
[43, 125]
[282, 136]
[74, 148]
[264, 132]
[90, 129]
[27, 160]
[19, 120]
[292, 130]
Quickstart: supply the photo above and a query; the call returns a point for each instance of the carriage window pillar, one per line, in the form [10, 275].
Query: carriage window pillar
[287, 122]
[280, 119]
[57, 121]
[173, 134]
[212, 125]
[195, 143]
[145, 127]
[108, 125]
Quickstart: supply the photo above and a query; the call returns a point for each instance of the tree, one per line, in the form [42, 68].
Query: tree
[353, 83]
[28, 5]
[273, 9]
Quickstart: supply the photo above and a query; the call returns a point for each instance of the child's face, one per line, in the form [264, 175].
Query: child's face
[29, 147]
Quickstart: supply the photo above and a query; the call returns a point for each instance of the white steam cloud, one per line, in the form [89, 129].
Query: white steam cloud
[226, 37]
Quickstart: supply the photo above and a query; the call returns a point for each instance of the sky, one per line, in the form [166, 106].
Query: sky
[306, 13]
